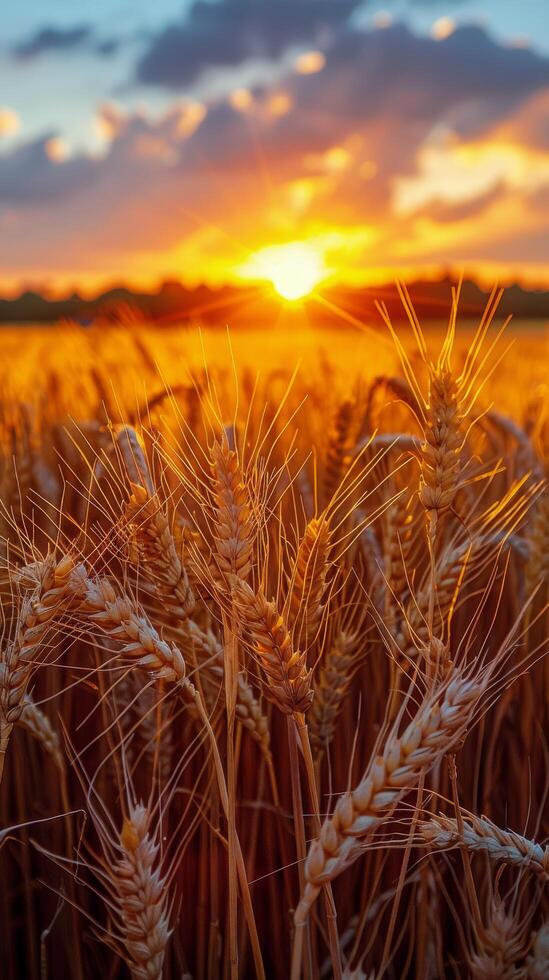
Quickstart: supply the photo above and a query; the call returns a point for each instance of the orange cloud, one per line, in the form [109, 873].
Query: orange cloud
[310, 62]
[443, 28]
[56, 149]
[241, 99]
[9, 121]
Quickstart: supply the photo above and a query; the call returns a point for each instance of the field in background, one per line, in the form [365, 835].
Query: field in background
[25, 352]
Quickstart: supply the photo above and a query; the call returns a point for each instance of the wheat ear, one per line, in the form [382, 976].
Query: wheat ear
[287, 679]
[480, 834]
[309, 581]
[338, 448]
[438, 725]
[141, 644]
[397, 545]
[155, 550]
[499, 945]
[426, 615]
[232, 515]
[143, 719]
[54, 586]
[537, 963]
[34, 720]
[142, 896]
[331, 688]
[443, 440]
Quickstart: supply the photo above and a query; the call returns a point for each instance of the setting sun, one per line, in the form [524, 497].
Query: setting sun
[294, 269]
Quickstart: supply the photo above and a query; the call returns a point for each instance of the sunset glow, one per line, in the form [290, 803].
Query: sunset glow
[400, 142]
[293, 269]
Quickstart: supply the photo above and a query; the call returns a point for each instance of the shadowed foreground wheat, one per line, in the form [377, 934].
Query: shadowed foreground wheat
[274, 687]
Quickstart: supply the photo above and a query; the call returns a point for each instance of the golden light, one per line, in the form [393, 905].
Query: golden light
[367, 170]
[9, 121]
[294, 269]
[333, 160]
[190, 117]
[443, 28]
[56, 149]
[309, 62]
[337, 158]
[279, 104]
[109, 122]
[241, 99]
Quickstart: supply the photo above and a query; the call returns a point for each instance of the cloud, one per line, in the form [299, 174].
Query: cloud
[9, 121]
[38, 172]
[387, 92]
[49, 39]
[225, 34]
[528, 125]
[471, 208]
[108, 46]
[318, 155]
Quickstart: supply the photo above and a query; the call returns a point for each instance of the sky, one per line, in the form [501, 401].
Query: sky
[209, 140]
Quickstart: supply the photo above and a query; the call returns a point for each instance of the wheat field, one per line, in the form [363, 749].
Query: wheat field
[274, 688]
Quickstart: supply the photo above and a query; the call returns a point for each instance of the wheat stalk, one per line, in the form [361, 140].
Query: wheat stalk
[357, 974]
[537, 566]
[209, 652]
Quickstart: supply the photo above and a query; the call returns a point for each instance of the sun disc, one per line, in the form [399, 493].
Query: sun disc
[294, 269]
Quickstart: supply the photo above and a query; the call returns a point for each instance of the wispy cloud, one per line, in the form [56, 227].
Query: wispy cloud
[52, 39]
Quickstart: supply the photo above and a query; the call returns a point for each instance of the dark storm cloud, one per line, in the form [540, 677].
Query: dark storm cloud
[226, 33]
[52, 39]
